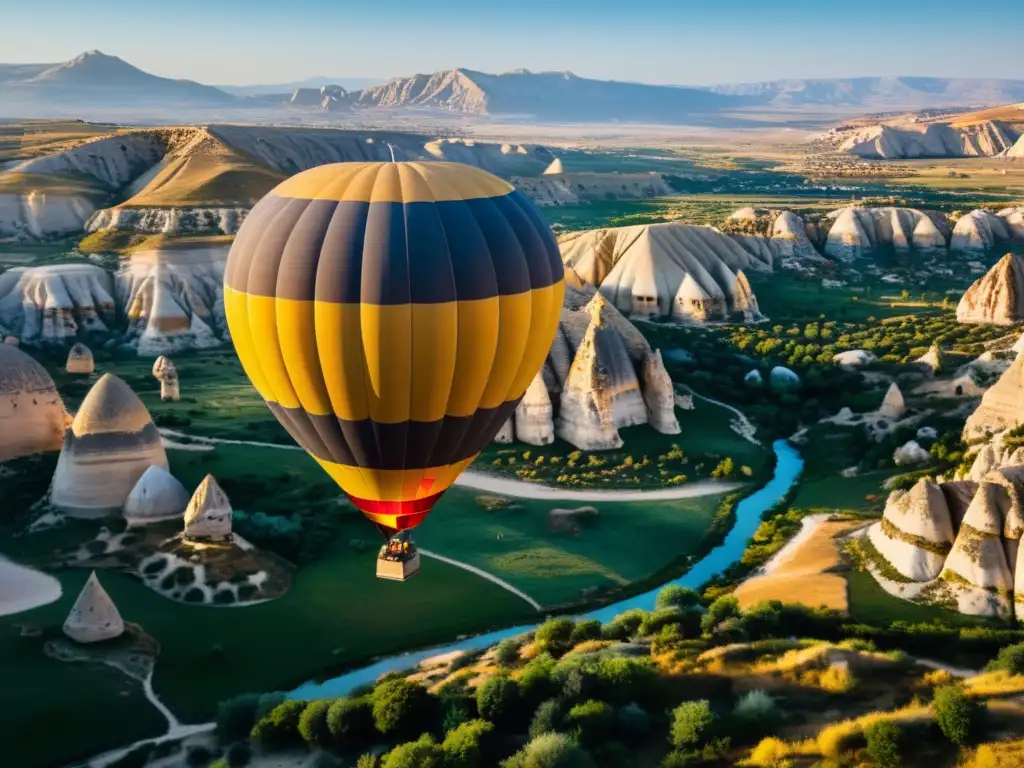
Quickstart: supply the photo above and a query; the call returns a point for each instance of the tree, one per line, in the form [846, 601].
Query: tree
[725, 607]
[280, 728]
[591, 721]
[585, 631]
[957, 715]
[400, 707]
[497, 700]
[633, 720]
[675, 596]
[550, 750]
[350, 722]
[236, 716]
[691, 724]
[548, 718]
[368, 761]
[422, 753]
[1010, 660]
[313, 723]
[757, 714]
[555, 636]
[469, 745]
[726, 467]
[238, 754]
[507, 652]
[884, 744]
[535, 682]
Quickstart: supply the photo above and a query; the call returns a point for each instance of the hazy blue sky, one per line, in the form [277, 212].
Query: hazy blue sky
[662, 41]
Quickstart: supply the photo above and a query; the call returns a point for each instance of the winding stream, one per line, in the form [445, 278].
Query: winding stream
[748, 516]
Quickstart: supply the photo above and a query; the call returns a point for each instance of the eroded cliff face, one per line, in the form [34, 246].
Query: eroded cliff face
[858, 231]
[988, 138]
[998, 297]
[559, 188]
[1001, 408]
[981, 230]
[55, 303]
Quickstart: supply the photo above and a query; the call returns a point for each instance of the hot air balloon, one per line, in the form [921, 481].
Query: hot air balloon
[392, 316]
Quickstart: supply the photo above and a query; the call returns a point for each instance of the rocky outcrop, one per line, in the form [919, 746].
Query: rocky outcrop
[80, 360]
[775, 236]
[854, 358]
[94, 617]
[998, 297]
[507, 433]
[37, 211]
[916, 531]
[601, 393]
[554, 168]
[188, 220]
[910, 454]
[659, 394]
[173, 298]
[861, 231]
[979, 231]
[157, 496]
[782, 379]
[165, 372]
[687, 273]
[31, 411]
[53, 304]
[208, 514]
[534, 423]
[110, 444]
[575, 188]
[987, 138]
[893, 406]
[933, 359]
[1001, 407]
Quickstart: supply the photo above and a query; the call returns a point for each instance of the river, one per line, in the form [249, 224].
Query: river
[788, 466]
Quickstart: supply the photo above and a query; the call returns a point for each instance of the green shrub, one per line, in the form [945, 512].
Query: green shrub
[757, 714]
[591, 721]
[236, 716]
[456, 710]
[313, 723]
[469, 745]
[507, 652]
[623, 626]
[267, 702]
[958, 716]
[723, 608]
[535, 681]
[548, 718]
[675, 596]
[633, 721]
[400, 707]
[238, 754]
[498, 700]
[555, 636]
[691, 724]
[1010, 659]
[368, 761]
[280, 727]
[550, 750]
[585, 631]
[883, 747]
[422, 753]
[350, 722]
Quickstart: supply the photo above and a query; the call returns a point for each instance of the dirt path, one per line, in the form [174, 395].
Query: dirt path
[485, 575]
[741, 425]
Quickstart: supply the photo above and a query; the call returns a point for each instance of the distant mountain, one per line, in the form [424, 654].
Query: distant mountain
[95, 76]
[348, 83]
[544, 95]
[901, 92]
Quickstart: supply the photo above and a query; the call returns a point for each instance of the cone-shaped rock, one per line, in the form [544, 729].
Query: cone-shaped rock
[80, 359]
[208, 515]
[916, 531]
[93, 617]
[1011, 479]
[31, 411]
[165, 372]
[1002, 406]
[998, 297]
[601, 392]
[893, 406]
[933, 358]
[534, 424]
[659, 395]
[977, 569]
[507, 433]
[111, 442]
[157, 496]
[554, 168]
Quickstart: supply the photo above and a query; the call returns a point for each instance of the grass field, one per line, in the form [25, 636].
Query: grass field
[845, 492]
[23, 139]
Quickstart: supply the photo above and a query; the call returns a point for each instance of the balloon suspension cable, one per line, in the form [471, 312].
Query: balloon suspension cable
[385, 531]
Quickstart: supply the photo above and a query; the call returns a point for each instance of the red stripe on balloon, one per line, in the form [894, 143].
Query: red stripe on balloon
[405, 514]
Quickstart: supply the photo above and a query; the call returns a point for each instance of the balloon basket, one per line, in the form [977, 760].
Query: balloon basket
[398, 570]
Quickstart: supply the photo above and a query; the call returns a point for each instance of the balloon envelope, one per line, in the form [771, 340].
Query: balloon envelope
[392, 315]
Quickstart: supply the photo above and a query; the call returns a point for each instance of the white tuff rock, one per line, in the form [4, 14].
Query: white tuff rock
[157, 496]
[208, 514]
[80, 360]
[94, 617]
[910, 454]
[893, 406]
[533, 417]
[31, 411]
[854, 358]
[998, 297]
[1002, 406]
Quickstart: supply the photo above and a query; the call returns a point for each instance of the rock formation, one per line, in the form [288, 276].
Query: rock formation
[854, 358]
[165, 372]
[109, 445]
[980, 230]
[208, 514]
[916, 531]
[782, 379]
[1001, 407]
[157, 496]
[860, 231]
[173, 297]
[93, 617]
[773, 236]
[54, 303]
[933, 359]
[601, 393]
[31, 411]
[910, 454]
[659, 394]
[998, 297]
[507, 433]
[80, 359]
[753, 379]
[893, 406]
[533, 417]
[575, 188]
[688, 273]
[555, 167]
[979, 138]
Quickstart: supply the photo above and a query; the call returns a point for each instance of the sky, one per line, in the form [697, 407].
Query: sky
[233, 42]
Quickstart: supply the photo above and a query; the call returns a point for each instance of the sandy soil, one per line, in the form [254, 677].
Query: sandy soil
[22, 589]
